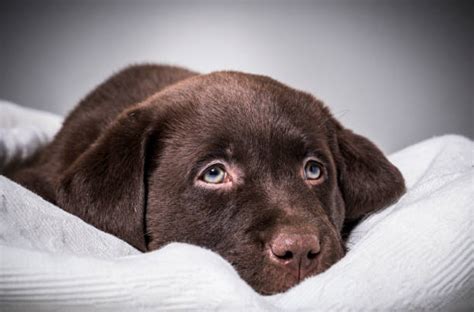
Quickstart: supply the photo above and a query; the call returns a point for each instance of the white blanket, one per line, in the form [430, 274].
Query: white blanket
[23, 131]
[417, 254]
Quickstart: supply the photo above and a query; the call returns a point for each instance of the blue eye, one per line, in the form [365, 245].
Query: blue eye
[214, 175]
[313, 170]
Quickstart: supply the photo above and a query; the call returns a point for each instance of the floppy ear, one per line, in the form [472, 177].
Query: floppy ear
[367, 180]
[106, 185]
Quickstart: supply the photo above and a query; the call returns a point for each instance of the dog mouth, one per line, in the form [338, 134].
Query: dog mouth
[275, 281]
[270, 278]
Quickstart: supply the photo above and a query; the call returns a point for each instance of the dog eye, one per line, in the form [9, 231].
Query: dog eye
[313, 170]
[214, 175]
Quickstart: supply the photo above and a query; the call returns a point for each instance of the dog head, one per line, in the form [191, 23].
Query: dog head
[241, 164]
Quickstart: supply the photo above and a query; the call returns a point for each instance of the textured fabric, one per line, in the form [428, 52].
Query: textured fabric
[23, 131]
[415, 255]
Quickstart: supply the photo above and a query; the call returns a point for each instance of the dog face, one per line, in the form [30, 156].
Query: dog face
[241, 164]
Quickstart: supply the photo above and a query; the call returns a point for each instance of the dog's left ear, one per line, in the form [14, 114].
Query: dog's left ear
[106, 185]
[367, 180]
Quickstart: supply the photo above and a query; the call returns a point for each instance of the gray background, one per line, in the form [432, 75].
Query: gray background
[395, 71]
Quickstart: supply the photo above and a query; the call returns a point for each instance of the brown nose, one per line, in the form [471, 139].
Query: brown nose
[295, 252]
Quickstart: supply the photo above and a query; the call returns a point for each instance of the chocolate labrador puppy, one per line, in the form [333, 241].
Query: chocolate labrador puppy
[241, 164]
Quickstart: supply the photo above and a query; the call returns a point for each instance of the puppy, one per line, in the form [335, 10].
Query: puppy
[241, 164]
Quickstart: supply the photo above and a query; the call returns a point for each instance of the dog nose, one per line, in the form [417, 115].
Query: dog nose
[295, 252]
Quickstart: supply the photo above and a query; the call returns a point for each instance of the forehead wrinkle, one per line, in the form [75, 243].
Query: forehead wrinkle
[216, 150]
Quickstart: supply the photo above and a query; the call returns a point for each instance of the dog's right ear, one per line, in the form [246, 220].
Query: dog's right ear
[106, 185]
[367, 179]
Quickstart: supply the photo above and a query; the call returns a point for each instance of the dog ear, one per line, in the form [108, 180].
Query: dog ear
[367, 180]
[106, 185]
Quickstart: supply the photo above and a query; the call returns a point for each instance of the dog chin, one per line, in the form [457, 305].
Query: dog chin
[272, 280]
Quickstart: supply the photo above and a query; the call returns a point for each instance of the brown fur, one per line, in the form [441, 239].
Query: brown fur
[127, 158]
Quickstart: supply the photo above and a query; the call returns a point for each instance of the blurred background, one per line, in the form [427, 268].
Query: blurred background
[395, 71]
